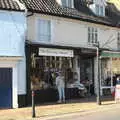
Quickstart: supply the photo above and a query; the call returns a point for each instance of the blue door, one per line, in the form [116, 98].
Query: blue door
[5, 87]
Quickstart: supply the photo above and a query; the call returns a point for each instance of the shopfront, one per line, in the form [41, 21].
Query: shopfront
[48, 62]
[110, 70]
[43, 62]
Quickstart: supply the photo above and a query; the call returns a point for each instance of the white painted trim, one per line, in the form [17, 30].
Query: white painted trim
[72, 3]
[3, 58]
[14, 88]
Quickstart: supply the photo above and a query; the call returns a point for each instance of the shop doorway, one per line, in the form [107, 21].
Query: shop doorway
[86, 74]
[5, 87]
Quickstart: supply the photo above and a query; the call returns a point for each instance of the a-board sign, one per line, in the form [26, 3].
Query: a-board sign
[117, 91]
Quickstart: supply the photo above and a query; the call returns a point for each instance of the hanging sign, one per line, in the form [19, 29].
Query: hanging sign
[55, 52]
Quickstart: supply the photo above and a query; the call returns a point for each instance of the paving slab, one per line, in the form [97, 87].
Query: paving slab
[53, 110]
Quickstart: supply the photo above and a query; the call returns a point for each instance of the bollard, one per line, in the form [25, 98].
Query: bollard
[33, 104]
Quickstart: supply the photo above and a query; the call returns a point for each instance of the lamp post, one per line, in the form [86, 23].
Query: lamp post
[98, 76]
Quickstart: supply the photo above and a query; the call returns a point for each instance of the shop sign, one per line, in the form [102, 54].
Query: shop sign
[55, 52]
[110, 54]
[87, 50]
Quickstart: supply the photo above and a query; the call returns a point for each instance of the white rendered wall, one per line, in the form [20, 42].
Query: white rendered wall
[67, 32]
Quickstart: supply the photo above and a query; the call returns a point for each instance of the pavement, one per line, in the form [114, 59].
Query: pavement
[82, 106]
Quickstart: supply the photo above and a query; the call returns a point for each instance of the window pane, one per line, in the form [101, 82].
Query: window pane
[64, 2]
[96, 35]
[92, 35]
[70, 3]
[101, 11]
[89, 35]
[97, 9]
[118, 38]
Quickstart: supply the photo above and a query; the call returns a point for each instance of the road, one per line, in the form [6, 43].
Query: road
[112, 114]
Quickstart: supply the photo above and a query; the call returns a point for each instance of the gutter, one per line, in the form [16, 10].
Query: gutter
[31, 14]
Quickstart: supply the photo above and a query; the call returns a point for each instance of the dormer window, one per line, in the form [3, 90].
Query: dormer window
[67, 3]
[99, 10]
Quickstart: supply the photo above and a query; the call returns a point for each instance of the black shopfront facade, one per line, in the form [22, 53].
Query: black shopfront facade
[42, 63]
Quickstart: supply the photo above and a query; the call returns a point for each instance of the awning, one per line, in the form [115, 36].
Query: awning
[112, 54]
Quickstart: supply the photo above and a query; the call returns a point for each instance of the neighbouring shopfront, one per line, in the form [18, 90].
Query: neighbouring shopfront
[43, 62]
[110, 71]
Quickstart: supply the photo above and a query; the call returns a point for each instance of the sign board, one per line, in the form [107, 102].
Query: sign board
[117, 92]
[86, 51]
[55, 52]
[110, 54]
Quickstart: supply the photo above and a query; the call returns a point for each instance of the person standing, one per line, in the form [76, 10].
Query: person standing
[60, 86]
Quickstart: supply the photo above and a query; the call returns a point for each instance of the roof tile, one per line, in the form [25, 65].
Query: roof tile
[9, 5]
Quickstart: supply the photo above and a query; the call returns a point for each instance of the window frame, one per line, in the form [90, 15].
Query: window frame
[99, 10]
[49, 40]
[67, 3]
[92, 35]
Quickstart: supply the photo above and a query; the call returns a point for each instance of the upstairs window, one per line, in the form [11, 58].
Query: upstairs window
[118, 40]
[44, 30]
[92, 35]
[67, 3]
[99, 10]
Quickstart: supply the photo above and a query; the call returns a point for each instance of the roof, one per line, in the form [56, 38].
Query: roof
[10, 5]
[113, 13]
[115, 2]
[80, 11]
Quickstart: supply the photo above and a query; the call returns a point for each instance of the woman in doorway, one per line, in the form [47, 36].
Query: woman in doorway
[60, 86]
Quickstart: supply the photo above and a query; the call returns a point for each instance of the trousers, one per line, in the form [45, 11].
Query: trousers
[61, 93]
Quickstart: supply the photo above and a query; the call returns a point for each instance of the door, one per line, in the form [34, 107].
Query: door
[5, 87]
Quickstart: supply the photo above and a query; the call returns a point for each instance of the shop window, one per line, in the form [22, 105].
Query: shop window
[67, 3]
[106, 72]
[44, 69]
[44, 30]
[92, 35]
